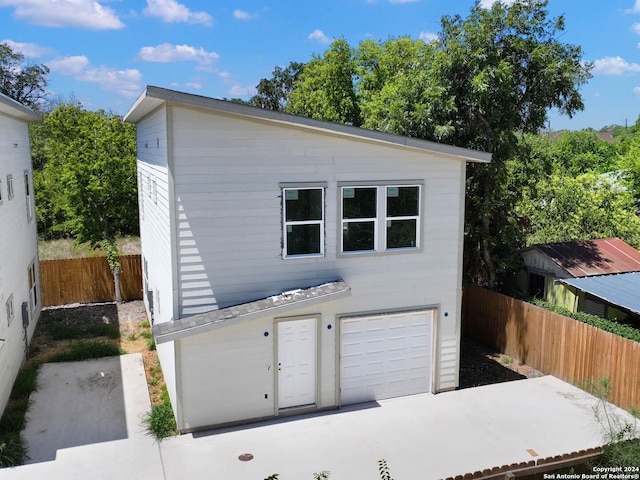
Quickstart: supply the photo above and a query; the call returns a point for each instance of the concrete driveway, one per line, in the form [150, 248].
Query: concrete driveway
[423, 436]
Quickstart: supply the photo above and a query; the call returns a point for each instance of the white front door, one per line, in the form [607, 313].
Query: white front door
[296, 363]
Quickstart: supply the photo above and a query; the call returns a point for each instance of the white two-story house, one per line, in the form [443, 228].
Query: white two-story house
[295, 265]
[19, 274]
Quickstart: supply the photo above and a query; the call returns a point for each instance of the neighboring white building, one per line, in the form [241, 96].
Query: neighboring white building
[295, 265]
[19, 273]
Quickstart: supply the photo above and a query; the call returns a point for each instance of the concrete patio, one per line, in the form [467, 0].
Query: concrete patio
[423, 436]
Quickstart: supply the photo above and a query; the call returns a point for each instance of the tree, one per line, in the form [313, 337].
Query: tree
[88, 178]
[22, 82]
[325, 88]
[581, 152]
[503, 68]
[272, 93]
[564, 208]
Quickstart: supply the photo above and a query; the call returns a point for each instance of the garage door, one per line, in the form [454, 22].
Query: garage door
[386, 356]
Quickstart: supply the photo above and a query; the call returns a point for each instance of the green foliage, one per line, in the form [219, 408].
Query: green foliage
[24, 83]
[625, 453]
[59, 331]
[325, 88]
[85, 179]
[324, 475]
[159, 421]
[13, 450]
[611, 326]
[13, 418]
[26, 382]
[272, 93]
[85, 351]
[562, 208]
[575, 153]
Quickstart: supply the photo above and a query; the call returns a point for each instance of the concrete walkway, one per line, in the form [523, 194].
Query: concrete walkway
[423, 436]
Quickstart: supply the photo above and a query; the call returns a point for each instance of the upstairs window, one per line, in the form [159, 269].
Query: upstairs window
[10, 192]
[380, 218]
[303, 221]
[29, 200]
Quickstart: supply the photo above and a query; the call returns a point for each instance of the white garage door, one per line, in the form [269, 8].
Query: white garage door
[386, 356]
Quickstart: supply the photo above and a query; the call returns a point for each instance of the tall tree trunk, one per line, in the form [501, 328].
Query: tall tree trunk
[116, 283]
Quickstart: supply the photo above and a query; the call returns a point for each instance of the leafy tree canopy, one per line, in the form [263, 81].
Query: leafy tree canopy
[87, 185]
[22, 82]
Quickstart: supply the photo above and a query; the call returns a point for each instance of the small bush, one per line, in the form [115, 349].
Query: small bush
[160, 422]
[13, 450]
[86, 351]
[625, 453]
[145, 324]
[13, 419]
[146, 335]
[151, 344]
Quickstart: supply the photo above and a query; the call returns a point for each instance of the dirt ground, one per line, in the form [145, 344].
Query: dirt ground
[478, 364]
[128, 318]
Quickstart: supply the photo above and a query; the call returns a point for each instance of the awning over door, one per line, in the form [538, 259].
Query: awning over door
[386, 356]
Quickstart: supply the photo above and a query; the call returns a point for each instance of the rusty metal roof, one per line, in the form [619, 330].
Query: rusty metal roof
[587, 258]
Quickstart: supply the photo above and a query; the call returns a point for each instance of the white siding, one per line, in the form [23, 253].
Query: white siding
[154, 197]
[18, 249]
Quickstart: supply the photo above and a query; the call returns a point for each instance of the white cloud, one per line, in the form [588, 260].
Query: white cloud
[636, 28]
[635, 8]
[195, 85]
[166, 52]
[123, 82]
[489, 3]
[636, 91]
[403, 1]
[614, 66]
[30, 50]
[242, 15]
[88, 14]
[319, 36]
[428, 36]
[171, 11]
[238, 91]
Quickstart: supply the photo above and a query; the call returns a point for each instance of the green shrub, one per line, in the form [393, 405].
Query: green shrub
[85, 351]
[160, 422]
[625, 453]
[151, 344]
[13, 450]
[611, 326]
[13, 419]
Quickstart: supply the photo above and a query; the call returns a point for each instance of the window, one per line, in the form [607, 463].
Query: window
[29, 200]
[380, 218]
[10, 310]
[33, 287]
[359, 218]
[10, 193]
[303, 220]
[536, 285]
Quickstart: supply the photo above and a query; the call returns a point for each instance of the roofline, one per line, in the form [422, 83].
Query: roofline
[152, 97]
[15, 109]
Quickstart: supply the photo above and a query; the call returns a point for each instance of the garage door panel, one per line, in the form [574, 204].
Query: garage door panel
[386, 356]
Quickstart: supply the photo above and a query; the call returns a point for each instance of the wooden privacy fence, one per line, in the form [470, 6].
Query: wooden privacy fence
[554, 344]
[88, 280]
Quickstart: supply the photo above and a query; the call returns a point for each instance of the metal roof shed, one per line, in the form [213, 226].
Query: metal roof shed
[621, 290]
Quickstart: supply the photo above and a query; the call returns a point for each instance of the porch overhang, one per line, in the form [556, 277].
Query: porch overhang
[274, 305]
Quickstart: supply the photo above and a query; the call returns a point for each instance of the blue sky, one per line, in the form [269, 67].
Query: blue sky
[104, 52]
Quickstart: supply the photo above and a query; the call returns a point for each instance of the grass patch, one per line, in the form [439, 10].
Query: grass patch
[13, 450]
[160, 422]
[26, 382]
[85, 351]
[59, 331]
[104, 330]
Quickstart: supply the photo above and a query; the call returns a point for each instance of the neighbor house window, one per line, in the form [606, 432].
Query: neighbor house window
[10, 193]
[10, 310]
[33, 286]
[380, 218]
[29, 200]
[536, 285]
[303, 221]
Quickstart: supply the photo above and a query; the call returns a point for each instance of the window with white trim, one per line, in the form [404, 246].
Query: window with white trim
[28, 197]
[303, 221]
[33, 287]
[10, 192]
[10, 309]
[380, 218]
